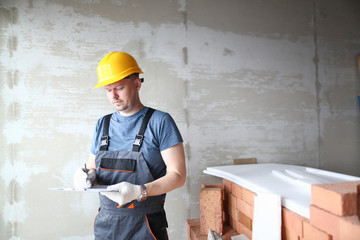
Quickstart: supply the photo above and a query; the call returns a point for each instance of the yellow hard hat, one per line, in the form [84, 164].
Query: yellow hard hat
[116, 66]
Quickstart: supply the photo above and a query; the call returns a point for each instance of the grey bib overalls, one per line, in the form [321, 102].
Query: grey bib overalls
[134, 220]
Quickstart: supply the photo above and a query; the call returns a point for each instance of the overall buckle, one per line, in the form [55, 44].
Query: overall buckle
[104, 140]
[138, 140]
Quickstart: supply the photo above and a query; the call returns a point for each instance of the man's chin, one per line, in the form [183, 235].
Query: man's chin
[121, 108]
[118, 106]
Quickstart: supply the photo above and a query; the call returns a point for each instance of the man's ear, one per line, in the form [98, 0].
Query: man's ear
[138, 84]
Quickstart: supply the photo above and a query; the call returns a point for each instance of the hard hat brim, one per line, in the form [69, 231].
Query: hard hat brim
[114, 79]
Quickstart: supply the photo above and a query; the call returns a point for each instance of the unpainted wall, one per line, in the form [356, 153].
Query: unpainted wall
[275, 80]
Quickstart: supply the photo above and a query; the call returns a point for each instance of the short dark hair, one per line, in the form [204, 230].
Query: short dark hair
[136, 75]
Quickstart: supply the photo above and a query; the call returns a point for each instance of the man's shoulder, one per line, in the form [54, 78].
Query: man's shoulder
[160, 115]
[100, 119]
[159, 112]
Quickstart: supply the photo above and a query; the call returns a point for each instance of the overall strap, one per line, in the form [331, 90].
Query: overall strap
[105, 137]
[140, 136]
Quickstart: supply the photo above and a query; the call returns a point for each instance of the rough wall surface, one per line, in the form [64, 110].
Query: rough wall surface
[275, 80]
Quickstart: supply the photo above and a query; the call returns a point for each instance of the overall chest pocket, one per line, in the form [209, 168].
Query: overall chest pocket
[116, 170]
[116, 164]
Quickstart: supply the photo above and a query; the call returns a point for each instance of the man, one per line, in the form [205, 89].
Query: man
[137, 151]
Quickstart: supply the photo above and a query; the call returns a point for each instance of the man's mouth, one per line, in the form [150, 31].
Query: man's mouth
[116, 101]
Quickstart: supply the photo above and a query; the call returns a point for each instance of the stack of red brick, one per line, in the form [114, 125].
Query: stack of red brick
[225, 208]
[229, 209]
[333, 214]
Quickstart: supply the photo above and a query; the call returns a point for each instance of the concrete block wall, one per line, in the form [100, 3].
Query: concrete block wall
[333, 214]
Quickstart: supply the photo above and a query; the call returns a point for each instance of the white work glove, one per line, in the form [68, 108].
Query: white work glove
[83, 178]
[127, 192]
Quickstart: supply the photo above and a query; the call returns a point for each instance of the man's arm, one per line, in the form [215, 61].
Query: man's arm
[174, 158]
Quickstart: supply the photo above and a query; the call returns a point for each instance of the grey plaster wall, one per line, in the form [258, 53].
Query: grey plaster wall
[276, 80]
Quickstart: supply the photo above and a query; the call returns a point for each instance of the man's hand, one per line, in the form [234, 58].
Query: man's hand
[127, 192]
[84, 178]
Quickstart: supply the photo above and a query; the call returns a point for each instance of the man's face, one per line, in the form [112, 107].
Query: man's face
[123, 94]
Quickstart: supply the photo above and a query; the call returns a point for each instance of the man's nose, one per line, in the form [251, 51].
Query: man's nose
[113, 93]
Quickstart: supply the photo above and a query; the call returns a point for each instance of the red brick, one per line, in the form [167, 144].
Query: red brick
[233, 213]
[233, 222]
[287, 234]
[212, 185]
[211, 210]
[245, 208]
[227, 186]
[349, 228]
[232, 201]
[244, 220]
[244, 230]
[292, 221]
[237, 226]
[236, 190]
[312, 233]
[195, 234]
[189, 224]
[228, 233]
[240, 161]
[337, 198]
[324, 220]
[248, 196]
